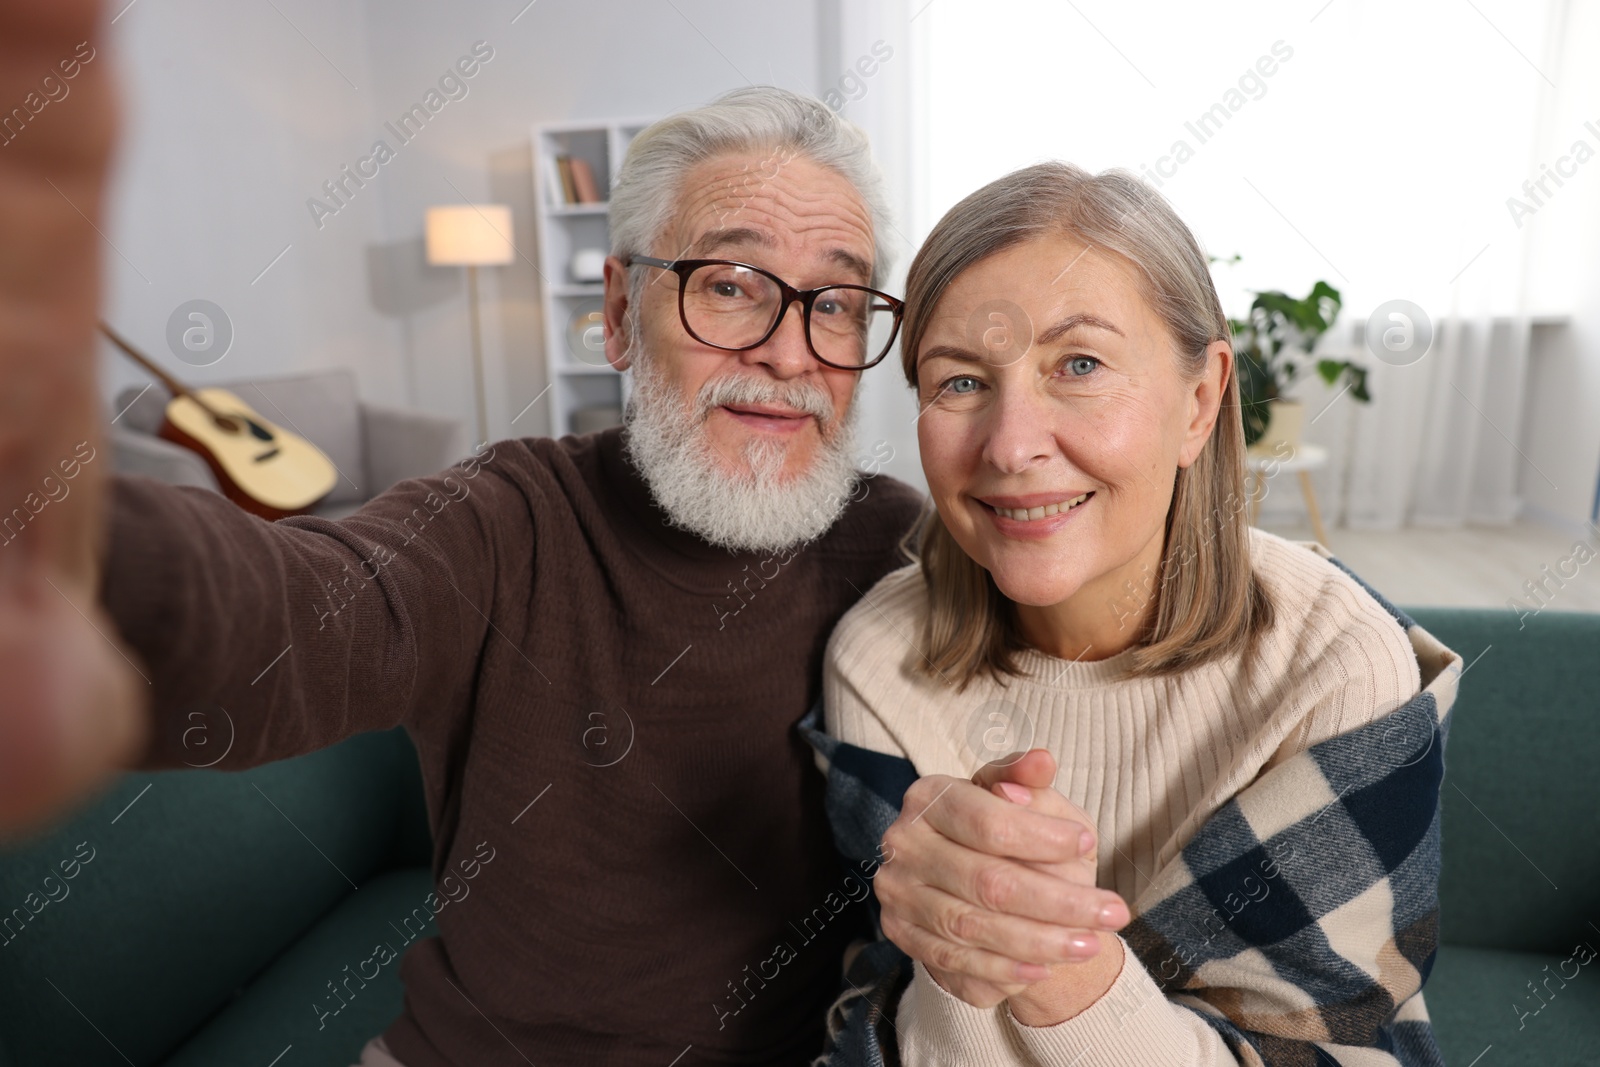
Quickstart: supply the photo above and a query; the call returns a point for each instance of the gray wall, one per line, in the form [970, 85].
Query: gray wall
[231, 121]
[238, 113]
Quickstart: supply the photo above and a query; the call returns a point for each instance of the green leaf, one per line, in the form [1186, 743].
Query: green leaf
[1277, 321]
[1359, 389]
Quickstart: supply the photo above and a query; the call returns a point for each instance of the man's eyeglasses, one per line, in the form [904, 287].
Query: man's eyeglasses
[736, 307]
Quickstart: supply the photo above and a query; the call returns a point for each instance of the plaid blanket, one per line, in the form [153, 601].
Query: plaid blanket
[1309, 901]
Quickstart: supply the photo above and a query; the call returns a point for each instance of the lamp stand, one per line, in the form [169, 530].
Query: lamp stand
[477, 353]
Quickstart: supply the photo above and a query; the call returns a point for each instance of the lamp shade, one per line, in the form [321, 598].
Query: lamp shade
[469, 235]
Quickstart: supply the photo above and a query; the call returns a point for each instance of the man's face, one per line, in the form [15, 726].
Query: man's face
[786, 214]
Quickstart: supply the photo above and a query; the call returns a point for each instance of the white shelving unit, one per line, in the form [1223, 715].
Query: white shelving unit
[585, 392]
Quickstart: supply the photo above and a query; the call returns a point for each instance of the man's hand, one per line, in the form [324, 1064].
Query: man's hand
[71, 704]
[993, 880]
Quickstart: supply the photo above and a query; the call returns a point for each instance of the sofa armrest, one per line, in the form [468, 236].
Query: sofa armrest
[133, 452]
[407, 444]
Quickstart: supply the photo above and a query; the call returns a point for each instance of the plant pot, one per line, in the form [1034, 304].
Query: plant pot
[1285, 421]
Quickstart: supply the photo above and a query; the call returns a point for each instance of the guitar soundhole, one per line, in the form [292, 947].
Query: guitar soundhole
[236, 423]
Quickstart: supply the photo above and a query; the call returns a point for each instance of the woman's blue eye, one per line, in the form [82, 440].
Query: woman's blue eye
[1076, 363]
[952, 386]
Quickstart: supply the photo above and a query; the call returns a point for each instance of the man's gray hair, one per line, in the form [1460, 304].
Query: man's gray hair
[759, 119]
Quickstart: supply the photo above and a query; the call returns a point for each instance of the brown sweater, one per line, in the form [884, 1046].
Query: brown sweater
[525, 616]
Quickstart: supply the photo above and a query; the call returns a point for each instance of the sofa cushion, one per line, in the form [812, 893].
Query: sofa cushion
[182, 887]
[408, 444]
[291, 1005]
[134, 452]
[142, 407]
[1520, 800]
[1476, 997]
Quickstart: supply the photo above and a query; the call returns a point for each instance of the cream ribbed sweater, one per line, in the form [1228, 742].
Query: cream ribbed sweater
[1149, 760]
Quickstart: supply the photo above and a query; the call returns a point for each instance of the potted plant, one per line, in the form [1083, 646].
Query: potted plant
[1269, 345]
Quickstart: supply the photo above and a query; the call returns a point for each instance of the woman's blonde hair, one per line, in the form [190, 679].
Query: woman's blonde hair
[1208, 601]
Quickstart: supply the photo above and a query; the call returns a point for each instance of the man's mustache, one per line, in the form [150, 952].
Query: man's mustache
[808, 397]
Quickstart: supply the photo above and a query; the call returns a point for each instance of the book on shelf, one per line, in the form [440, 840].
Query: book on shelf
[552, 182]
[571, 180]
[569, 189]
[583, 181]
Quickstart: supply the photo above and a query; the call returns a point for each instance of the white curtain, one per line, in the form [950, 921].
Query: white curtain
[1436, 446]
[1439, 443]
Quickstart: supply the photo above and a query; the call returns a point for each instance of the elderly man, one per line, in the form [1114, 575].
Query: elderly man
[622, 629]
[670, 585]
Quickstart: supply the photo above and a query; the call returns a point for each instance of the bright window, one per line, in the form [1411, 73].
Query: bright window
[1374, 145]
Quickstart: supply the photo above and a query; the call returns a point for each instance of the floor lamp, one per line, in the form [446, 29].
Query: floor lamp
[471, 236]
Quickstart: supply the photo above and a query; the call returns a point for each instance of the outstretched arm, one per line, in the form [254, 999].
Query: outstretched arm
[269, 640]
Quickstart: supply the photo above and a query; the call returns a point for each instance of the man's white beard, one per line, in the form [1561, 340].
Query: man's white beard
[755, 509]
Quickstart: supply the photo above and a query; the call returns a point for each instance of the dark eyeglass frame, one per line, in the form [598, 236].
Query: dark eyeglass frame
[789, 295]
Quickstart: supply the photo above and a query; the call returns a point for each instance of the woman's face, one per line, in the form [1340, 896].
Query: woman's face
[1054, 419]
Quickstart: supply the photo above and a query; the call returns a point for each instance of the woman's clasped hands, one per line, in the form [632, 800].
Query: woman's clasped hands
[992, 889]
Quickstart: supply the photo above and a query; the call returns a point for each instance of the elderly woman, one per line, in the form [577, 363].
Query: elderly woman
[1241, 742]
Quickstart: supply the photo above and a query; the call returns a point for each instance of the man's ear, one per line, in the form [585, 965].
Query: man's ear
[616, 313]
[1204, 401]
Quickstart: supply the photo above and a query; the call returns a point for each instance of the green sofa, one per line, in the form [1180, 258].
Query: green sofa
[198, 917]
[1521, 840]
[217, 918]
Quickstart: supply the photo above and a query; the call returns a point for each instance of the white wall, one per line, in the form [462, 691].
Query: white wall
[237, 114]
[231, 120]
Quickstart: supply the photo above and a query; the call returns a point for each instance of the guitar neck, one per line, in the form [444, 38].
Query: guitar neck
[175, 387]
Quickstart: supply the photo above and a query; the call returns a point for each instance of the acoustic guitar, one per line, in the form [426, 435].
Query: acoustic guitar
[261, 467]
